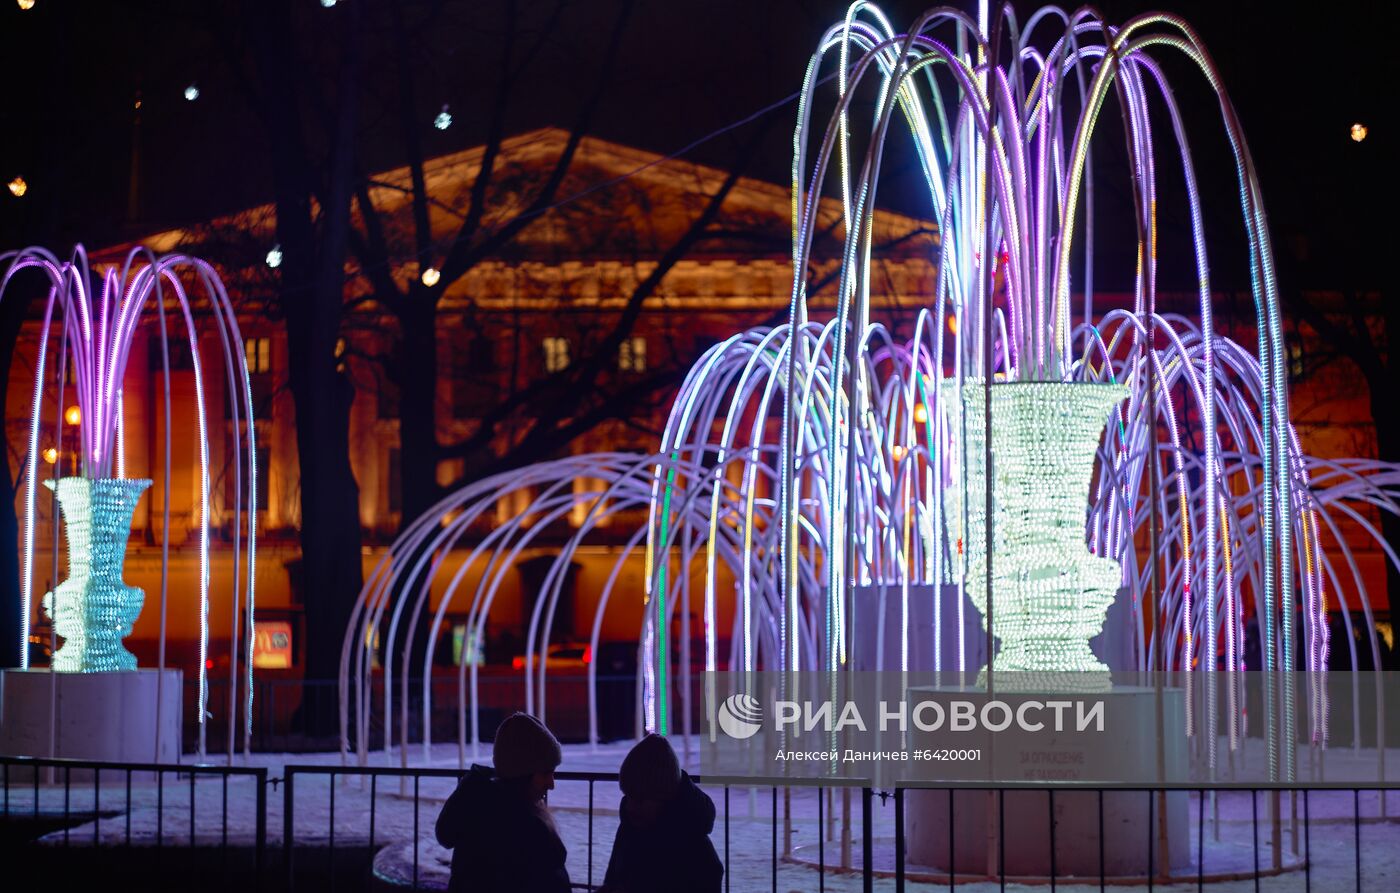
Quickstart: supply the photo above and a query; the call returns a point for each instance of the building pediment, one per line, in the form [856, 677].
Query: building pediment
[616, 204]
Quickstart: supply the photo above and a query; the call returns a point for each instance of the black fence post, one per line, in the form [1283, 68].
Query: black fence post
[1151, 833]
[867, 840]
[728, 874]
[260, 844]
[1307, 845]
[899, 840]
[288, 825]
[1356, 826]
[1103, 879]
[1254, 824]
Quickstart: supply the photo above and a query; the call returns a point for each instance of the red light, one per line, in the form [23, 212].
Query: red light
[209, 664]
[588, 654]
[518, 663]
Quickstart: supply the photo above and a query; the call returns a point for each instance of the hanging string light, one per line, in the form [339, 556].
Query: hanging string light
[443, 119]
[191, 93]
[274, 256]
[431, 276]
[1358, 132]
[18, 187]
[25, 4]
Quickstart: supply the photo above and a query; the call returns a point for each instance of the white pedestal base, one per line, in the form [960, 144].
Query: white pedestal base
[91, 716]
[1124, 753]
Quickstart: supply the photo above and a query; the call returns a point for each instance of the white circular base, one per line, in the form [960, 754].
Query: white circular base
[91, 716]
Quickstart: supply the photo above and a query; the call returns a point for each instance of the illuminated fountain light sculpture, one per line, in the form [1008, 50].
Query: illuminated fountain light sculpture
[94, 320]
[1002, 125]
[873, 477]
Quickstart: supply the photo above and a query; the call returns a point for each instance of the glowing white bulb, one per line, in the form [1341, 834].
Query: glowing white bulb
[327, 4]
[1358, 131]
[191, 93]
[274, 257]
[431, 276]
[443, 119]
[18, 187]
[25, 4]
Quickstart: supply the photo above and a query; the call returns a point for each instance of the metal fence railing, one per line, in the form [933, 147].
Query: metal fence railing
[350, 827]
[376, 780]
[128, 811]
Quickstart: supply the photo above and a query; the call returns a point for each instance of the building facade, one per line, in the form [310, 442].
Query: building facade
[551, 297]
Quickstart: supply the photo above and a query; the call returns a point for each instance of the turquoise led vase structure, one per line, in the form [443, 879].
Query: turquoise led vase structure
[1050, 592]
[93, 610]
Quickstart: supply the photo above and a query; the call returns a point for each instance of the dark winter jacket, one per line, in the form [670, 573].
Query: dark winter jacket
[499, 843]
[672, 855]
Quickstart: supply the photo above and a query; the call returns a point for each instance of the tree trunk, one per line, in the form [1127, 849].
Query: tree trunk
[11, 599]
[414, 369]
[312, 299]
[330, 529]
[415, 374]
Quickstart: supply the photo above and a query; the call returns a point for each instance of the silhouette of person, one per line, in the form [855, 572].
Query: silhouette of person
[663, 836]
[502, 837]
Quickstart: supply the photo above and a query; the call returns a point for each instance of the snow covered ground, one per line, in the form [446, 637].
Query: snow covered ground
[351, 813]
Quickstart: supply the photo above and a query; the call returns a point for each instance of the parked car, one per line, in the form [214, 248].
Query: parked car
[559, 655]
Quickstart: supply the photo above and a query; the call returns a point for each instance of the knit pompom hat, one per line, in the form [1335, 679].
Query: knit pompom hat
[523, 746]
[650, 771]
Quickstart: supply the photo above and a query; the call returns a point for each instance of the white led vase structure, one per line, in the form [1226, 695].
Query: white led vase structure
[92, 322]
[1051, 592]
[93, 610]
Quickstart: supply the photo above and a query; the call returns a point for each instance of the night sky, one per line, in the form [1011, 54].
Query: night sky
[72, 72]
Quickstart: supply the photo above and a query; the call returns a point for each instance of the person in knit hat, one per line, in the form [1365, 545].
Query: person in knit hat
[500, 832]
[663, 833]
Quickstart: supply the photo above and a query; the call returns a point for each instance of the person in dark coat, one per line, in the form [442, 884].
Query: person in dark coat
[502, 837]
[663, 836]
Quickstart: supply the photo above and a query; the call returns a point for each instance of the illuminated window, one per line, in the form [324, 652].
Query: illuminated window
[258, 353]
[395, 480]
[556, 353]
[632, 354]
[1297, 364]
